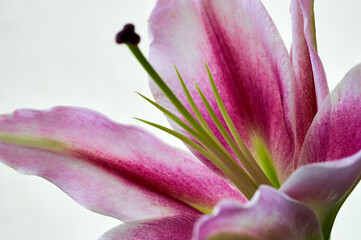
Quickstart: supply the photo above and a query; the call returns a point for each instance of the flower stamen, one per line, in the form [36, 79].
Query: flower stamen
[226, 135]
[242, 152]
[204, 124]
[248, 189]
[205, 141]
[219, 157]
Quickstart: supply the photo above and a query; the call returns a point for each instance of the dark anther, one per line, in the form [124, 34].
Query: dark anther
[127, 35]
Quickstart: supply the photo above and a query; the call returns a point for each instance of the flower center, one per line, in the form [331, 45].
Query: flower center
[239, 165]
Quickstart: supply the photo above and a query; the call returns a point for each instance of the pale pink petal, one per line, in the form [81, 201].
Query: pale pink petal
[270, 215]
[311, 85]
[247, 58]
[175, 228]
[335, 132]
[113, 169]
[324, 186]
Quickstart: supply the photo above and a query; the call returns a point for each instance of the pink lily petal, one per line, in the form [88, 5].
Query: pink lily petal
[324, 186]
[247, 58]
[335, 132]
[311, 85]
[116, 170]
[308, 66]
[270, 215]
[175, 228]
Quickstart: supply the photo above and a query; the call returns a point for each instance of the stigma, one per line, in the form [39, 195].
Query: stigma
[127, 35]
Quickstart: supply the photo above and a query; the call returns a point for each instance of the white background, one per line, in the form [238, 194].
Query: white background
[63, 53]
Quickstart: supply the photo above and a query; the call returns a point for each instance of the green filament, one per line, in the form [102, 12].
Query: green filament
[243, 177]
[31, 141]
[266, 162]
[244, 155]
[247, 189]
[205, 141]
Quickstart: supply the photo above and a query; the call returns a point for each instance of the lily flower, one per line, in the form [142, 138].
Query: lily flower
[275, 154]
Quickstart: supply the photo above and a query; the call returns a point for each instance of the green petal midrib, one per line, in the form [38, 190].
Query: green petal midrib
[33, 141]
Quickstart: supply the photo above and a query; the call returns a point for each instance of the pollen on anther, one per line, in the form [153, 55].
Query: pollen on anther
[127, 35]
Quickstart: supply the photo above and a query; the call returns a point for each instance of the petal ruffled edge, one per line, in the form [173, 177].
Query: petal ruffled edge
[270, 215]
[324, 187]
[175, 228]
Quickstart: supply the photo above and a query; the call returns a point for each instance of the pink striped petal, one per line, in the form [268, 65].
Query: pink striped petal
[308, 66]
[175, 228]
[335, 132]
[247, 58]
[311, 85]
[116, 170]
[324, 186]
[270, 215]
